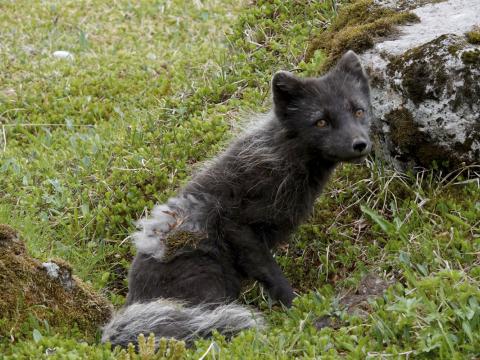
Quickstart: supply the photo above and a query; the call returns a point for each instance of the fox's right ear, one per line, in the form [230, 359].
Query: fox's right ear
[286, 88]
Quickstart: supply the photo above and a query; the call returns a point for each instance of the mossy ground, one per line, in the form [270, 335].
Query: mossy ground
[27, 292]
[86, 145]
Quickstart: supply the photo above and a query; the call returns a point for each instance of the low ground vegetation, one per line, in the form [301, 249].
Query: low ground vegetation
[91, 142]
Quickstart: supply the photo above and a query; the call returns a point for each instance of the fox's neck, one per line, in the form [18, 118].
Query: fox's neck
[267, 176]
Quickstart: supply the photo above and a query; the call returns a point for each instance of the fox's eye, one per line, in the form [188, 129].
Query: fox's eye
[321, 123]
[359, 113]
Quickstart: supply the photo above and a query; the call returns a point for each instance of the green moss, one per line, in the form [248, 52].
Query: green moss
[473, 36]
[356, 27]
[403, 129]
[453, 49]
[26, 289]
[471, 57]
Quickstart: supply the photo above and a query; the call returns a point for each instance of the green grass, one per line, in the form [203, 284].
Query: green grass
[86, 146]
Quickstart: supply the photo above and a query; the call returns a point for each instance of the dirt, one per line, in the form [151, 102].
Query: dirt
[356, 301]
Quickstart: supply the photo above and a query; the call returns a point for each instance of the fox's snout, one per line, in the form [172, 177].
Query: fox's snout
[361, 146]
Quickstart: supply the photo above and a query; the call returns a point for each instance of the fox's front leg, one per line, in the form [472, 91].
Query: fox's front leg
[256, 261]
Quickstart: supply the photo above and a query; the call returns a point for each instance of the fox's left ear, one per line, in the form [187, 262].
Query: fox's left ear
[350, 64]
[286, 88]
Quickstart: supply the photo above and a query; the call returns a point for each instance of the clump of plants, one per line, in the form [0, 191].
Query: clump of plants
[356, 27]
[26, 288]
[473, 36]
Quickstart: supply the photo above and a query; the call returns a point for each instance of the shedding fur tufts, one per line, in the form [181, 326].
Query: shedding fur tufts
[173, 319]
[179, 213]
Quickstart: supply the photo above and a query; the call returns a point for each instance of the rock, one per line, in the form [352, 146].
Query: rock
[61, 54]
[426, 87]
[62, 274]
[49, 289]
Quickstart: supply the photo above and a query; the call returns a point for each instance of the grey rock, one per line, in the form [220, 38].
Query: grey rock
[426, 89]
[62, 274]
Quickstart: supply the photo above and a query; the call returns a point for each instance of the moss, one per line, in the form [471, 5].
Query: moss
[471, 57]
[414, 143]
[180, 241]
[7, 235]
[473, 36]
[454, 49]
[26, 288]
[356, 28]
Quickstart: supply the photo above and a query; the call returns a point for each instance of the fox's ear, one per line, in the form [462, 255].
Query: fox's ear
[286, 87]
[350, 64]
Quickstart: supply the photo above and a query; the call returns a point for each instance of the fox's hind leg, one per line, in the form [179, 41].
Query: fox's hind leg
[194, 278]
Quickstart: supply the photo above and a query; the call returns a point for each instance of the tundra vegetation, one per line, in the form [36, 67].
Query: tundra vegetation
[91, 140]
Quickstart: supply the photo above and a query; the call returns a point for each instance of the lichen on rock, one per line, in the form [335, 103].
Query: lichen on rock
[46, 291]
[435, 115]
[405, 4]
[426, 88]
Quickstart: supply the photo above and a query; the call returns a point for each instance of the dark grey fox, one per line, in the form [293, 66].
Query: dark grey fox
[195, 250]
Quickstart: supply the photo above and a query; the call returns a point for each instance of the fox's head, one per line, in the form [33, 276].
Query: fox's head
[330, 115]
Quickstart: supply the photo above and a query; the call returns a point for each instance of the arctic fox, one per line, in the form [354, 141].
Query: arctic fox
[194, 251]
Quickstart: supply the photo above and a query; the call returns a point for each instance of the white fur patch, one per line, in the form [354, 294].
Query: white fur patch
[172, 319]
[153, 231]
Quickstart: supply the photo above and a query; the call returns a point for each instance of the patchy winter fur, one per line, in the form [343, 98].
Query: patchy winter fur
[241, 206]
[175, 215]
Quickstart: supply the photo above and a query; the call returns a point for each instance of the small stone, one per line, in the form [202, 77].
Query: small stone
[61, 273]
[61, 54]
[52, 269]
[29, 49]
[50, 351]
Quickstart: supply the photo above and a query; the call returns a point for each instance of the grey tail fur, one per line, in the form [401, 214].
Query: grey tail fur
[173, 319]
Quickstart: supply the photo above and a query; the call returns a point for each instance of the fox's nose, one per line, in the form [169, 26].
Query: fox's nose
[359, 145]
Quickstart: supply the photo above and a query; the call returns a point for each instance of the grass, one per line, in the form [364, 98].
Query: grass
[87, 145]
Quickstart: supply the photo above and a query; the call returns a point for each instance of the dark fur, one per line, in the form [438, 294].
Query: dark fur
[261, 188]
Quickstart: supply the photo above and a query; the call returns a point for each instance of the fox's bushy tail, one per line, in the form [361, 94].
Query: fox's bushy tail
[173, 319]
